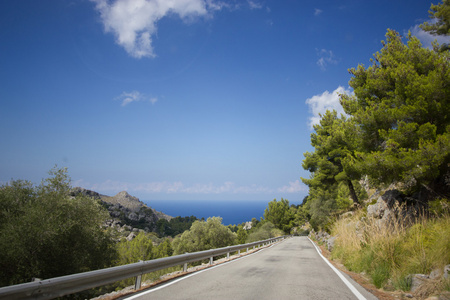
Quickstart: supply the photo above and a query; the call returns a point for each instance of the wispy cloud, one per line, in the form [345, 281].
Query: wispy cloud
[134, 23]
[177, 187]
[319, 104]
[135, 96]
[293, 187]
[426, 38]
[254, 4]
[326, 57]
[317, 11]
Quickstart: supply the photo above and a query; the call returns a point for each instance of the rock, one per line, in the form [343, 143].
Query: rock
[436, 273]
[377, 210]
[447, 271]
[247, 225]
[131, 236]
[417, 280]
[79, 190]
[133, 216]
[330, 243]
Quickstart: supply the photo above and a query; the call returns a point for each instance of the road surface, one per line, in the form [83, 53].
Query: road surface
[292, 269]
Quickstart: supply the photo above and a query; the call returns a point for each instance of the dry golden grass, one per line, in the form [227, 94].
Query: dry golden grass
[390, 250]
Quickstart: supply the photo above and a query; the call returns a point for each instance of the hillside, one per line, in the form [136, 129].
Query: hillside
[128, 214]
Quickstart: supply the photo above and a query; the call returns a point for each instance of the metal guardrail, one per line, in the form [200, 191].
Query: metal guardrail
[70, 284]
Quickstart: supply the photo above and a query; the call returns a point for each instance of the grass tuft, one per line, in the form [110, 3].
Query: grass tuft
[389, 251]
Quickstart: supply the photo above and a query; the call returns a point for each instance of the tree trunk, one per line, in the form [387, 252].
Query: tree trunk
[352, 192]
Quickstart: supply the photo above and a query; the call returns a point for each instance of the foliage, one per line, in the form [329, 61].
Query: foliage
[141, 248]
[440, 13]
[400, 111]
[241, 235]
[46, 233]
[204, 236]
[175, 226]
[331, 187]
[265, 231]
[333, 141]
[397, 130]
[279, 214]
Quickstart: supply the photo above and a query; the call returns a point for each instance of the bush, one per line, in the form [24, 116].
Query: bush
[204, 236]
[266, 231]
[46, 233]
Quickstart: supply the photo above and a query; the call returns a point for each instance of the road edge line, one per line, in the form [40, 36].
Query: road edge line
[153, 289]
[342, 277]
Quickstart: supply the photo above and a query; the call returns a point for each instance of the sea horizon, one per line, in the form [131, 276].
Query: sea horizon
[233, 212]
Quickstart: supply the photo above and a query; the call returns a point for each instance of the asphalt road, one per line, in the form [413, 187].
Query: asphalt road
[292, 269]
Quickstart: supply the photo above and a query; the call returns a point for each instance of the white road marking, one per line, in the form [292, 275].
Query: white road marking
[347, 283]
[193, 274]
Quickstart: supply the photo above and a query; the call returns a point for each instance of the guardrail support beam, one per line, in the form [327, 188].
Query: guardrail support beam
[137, 283]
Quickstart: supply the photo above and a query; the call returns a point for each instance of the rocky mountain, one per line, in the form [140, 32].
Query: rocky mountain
[128, 214]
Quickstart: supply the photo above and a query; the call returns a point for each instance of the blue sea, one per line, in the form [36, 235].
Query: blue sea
[233, 212]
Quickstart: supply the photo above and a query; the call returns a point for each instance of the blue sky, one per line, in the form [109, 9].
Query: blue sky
[181, 99]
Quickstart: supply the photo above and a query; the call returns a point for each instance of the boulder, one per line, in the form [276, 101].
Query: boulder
[377, 210]
[131, 236]
[330, 243]
[417, 280]
[133, 217]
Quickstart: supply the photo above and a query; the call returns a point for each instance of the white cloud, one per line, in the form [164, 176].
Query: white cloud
[133, 22]
[111, 187]
[326, 57]
[426, 38]
[293, 187]
[319, 104]
[317, 11]
[254, 5]
[135, 96]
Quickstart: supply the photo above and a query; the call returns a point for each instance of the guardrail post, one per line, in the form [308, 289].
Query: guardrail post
[137, 282]
[211, 260]
[228, 255]
[239, 252]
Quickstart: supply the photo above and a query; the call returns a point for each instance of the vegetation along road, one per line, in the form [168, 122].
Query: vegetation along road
[292, 269]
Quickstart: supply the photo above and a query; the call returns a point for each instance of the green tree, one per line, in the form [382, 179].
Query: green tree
[163, 250]
[204, 236]
[333, 141]
[279, 214]
[400, 109]
[265, 231]
[441, 14]
[139, 248]
[241, 235]
[46, 233]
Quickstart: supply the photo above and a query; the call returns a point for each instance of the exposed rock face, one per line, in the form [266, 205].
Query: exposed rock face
[78, 190]
[128, 214]
[126, 200]
[247, 225]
